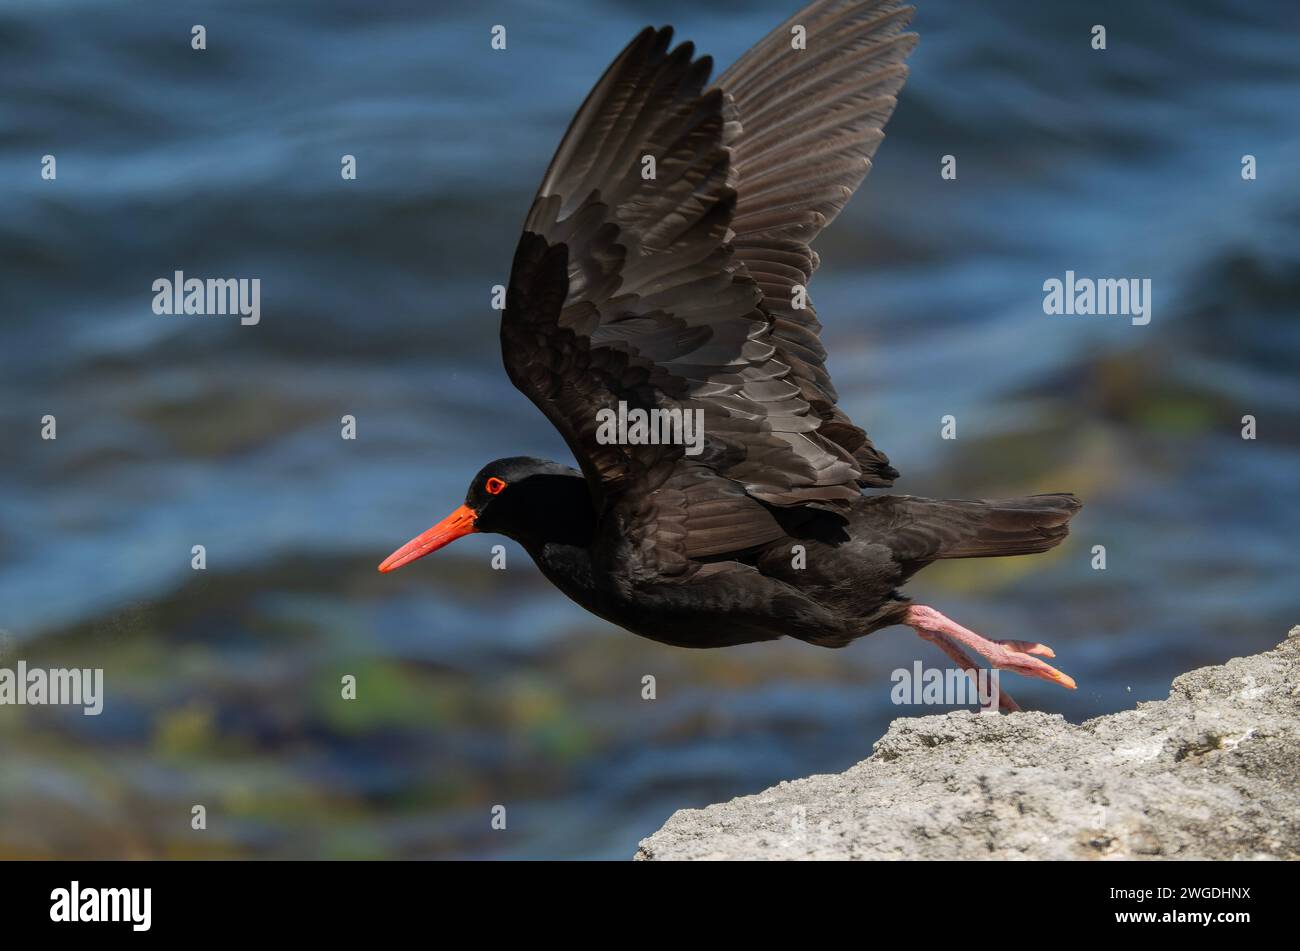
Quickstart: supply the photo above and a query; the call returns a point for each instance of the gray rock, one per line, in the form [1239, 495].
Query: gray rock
[1211, 773]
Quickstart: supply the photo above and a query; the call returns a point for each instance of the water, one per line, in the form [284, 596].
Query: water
[480, 687]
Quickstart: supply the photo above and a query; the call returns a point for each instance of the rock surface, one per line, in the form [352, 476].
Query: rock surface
[1211, 773]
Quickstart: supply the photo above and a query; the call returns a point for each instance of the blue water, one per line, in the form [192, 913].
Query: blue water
[479, 687]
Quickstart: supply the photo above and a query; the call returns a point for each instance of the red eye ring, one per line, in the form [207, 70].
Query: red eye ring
[495, 486]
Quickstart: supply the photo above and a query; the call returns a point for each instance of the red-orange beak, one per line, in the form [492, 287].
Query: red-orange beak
[454, 526]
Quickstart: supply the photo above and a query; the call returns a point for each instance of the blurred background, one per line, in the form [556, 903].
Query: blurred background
[479, 687]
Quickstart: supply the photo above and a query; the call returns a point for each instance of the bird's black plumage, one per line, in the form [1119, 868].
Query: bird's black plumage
[664, 266]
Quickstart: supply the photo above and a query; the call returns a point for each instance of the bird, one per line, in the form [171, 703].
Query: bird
[662, 276]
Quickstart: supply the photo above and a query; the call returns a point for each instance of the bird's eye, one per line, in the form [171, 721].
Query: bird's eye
[495, 485]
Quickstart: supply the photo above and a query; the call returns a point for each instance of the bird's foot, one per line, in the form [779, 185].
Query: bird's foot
[1018, 656]
[1005, 700]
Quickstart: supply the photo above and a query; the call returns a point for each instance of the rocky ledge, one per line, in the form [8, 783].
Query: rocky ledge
[1211, 773]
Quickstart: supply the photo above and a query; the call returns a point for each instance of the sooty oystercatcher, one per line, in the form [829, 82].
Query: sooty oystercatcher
[661, 275]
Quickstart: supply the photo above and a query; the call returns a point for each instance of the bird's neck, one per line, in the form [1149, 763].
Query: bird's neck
[544, 510]
[557, 532]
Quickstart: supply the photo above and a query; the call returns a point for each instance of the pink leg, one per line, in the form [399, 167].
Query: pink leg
[959, 656]
[1016, 656]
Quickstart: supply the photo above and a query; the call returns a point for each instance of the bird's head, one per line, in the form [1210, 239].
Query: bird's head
[523, 498]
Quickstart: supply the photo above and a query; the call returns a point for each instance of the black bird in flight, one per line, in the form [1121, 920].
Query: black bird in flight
[681, 291]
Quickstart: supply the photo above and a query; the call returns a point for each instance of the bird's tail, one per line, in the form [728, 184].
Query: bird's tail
[988, 529]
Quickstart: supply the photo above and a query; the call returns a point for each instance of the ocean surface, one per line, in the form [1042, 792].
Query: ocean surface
[480, 688]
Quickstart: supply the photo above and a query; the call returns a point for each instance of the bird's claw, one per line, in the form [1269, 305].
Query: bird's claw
[1021, 657]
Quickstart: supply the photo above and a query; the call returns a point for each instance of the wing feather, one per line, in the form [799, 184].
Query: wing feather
[809, 122]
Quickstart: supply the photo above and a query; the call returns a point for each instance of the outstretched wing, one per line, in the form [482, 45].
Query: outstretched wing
[628, 287]
[810, 120]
